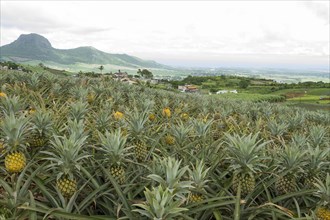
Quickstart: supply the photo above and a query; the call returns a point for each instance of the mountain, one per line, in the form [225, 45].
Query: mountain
[34, 47]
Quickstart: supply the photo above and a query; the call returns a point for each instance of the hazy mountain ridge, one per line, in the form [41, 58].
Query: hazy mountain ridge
[29, 47]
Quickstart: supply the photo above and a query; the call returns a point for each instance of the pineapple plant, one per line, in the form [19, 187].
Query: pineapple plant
[290, 164]
[66, 155]
[137, 130]
[42, 127]
[323, 192]
[198, 176]
[115, 152]
[315, 165]
[15, 131]
[245, 156]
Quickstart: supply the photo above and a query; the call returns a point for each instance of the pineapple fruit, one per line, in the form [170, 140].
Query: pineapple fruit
[113, 147]
[291, 162]
[244, 155]
[67, 155]
[140, 150]
[198, 175]
[15, 162]
[42, 126]
[67, 186]
[15, 131]
[323, 192]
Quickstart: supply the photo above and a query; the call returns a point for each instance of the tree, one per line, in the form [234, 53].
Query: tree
[101, 68]
[243, 84]
[145, 73]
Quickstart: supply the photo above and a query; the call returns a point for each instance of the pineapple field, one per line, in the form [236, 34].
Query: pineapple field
[94, 148]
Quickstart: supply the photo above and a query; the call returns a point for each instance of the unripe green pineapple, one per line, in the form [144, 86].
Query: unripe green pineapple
[141, 151]
[67, 186]
[198, 175]
[37, 140]
[247, 182]
[118, 172]
[15, 162]
[286, 184]
[114, 151]
[245, 156]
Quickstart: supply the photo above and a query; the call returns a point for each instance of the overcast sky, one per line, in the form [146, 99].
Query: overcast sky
[186, 33]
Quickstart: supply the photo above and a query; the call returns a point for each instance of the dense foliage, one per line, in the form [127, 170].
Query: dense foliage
[95, 148]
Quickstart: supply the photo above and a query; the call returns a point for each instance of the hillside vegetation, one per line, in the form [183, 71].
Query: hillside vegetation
[94, 148]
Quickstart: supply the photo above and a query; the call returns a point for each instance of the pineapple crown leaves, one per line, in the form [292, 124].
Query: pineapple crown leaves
[42, 122]
[160, 204]
[172, 177]
[202, 127]
[114, 146]
[15, 130]
[137, 121]
[198, 174]
[245, 152]
[11, 105]
[181, 132]
[317, 159]
[76, 128]
[277, 128]
[78, 110]
[291, 159]
[67, 153]
[323, 191]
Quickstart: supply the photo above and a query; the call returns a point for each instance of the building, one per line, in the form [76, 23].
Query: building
[188, 88]
[120, 75]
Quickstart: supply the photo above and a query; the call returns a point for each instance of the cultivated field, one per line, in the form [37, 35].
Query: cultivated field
[94, 148]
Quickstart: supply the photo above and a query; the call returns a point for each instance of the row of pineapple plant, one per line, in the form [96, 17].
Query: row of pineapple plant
[103, 148]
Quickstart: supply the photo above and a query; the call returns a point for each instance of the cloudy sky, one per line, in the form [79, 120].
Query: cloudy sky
[291, 34]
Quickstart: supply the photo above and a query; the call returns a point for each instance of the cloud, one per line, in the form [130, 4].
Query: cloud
[320, 9]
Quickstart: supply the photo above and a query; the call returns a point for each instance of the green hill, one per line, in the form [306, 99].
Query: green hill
[34, 47]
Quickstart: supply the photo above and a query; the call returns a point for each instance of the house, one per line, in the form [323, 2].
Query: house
[188, 88]
[3, 67]
[120, 75]
[226, 91]
[128, 81]
[222, 92]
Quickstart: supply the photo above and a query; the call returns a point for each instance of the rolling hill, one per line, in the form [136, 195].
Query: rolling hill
[34, 47]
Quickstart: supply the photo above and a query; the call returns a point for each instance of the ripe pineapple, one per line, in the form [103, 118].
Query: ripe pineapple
[198, 176]
[290, 163]
[244, 156]
[15, 131]
[67, 186]
[152, 117]
[166, 112]
[3, 95]
[118, 115]
[323, 192]
[66, 154]
[113, 146]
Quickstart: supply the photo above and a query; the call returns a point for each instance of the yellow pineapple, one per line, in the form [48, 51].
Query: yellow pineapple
[118, 115]
[152, 117]
[3, 95]
[15, 132]
[166, 112]
[67, 186]
[15, 162]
